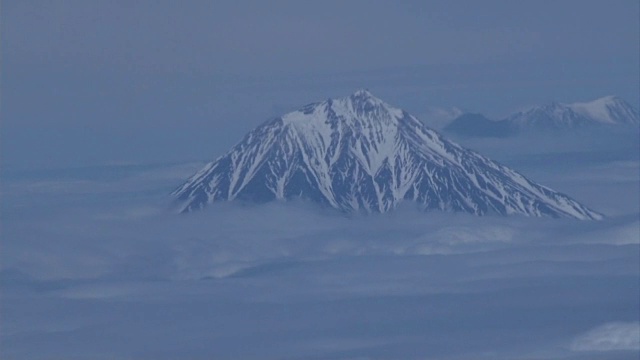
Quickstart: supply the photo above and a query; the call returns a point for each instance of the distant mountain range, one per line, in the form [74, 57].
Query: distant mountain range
[606, 111]
[358, 153]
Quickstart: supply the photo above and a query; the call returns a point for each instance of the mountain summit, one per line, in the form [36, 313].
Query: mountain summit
[358, 153]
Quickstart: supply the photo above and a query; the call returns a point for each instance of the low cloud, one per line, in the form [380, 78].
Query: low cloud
[113, 259]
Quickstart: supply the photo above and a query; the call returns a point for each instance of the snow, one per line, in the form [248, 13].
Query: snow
[608, 110]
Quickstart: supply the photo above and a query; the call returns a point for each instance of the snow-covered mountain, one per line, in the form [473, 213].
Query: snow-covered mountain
[609, 111]
[360, 154]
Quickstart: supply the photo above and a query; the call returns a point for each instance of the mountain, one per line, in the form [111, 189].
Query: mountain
[608, 111]
[358, 153]
[478, 125]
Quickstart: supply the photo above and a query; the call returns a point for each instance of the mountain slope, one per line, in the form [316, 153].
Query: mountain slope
[359, 154]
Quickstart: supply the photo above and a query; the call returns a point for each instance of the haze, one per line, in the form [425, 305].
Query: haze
[88, 82]
[108, 106]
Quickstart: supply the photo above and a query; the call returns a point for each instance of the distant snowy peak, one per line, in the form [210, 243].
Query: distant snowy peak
[358, 153]
[609, 110]
[551, 116]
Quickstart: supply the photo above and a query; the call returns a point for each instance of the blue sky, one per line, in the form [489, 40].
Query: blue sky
[86, 82]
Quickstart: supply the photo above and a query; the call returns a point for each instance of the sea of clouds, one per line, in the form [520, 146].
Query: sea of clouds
[95, 264]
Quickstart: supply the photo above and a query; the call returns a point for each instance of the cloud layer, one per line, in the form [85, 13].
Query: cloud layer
[94, 262]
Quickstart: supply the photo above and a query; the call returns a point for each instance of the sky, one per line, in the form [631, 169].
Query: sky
[113, 82]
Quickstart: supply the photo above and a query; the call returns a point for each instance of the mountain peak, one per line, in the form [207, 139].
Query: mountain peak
[363, 100]
[607, 110]
[602, 101]
[360, 107]
[362, 94]
[609, 99]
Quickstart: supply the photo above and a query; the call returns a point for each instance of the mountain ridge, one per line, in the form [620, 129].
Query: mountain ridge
[608, 111]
